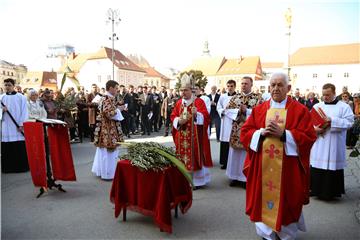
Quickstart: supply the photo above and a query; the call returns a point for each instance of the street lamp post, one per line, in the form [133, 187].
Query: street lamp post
[113, 17]
[288, 19]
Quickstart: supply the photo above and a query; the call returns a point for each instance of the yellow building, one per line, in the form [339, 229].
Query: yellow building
[39, 80]
[10, 70]
[219, 70]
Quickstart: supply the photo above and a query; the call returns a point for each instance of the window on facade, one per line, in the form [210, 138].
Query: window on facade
[3, 72]
[99, 78]
[294, 75]
[36, 79]
[346, 74]
[12, 74]
[262, 89]
[329, 75]
[108, 77]
[315, 75]
[8, 73]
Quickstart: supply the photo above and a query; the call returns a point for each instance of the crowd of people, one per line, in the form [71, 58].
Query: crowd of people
[145, 109]
[268, 142]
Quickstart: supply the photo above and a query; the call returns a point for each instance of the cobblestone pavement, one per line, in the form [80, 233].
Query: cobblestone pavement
[85, 212]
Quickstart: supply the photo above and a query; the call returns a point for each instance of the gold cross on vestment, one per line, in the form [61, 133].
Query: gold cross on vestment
[184, 133]
[185, 144]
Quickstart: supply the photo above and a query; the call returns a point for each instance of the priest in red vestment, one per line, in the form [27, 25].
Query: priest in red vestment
[278, 137]
[190, 109]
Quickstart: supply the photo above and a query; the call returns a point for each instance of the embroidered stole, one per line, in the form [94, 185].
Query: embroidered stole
[185, 135]
[272, 157]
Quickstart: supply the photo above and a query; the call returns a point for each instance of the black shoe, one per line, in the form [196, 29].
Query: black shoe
[234, 183]
[148, 133]
[166, 134]
[242, 184]
[223, 167]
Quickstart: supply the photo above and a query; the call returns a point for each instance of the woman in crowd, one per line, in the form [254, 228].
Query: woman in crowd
[35, 106]
[351, 138]
[311, 100]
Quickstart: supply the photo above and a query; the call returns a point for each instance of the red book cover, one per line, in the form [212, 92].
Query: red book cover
[318, 118]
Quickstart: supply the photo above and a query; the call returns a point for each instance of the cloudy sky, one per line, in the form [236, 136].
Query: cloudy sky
[171, 33]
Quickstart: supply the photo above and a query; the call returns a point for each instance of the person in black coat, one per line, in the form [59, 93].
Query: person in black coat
[214, 115]
[311, 101]
[147, 102]
[156, 109]
[132, 108]
[298, 98]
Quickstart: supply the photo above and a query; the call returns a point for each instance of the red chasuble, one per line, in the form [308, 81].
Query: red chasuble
[295, 175]
[182, 137]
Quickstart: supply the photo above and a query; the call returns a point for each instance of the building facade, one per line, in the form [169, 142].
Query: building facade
[10, 70]
[312, 67]
[86, 69]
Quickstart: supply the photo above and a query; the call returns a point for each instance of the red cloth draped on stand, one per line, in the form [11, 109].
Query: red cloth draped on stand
[150, 193]
[60, 152]
[35, 148]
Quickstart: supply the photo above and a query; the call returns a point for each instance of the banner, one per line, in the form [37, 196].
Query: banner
[60, 153]
[35, 148]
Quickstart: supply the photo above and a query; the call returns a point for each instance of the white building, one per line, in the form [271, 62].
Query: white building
[268, 69]
[312, 67]
[86, 69]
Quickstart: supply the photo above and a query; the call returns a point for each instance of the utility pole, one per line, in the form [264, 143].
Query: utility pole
[113, 17]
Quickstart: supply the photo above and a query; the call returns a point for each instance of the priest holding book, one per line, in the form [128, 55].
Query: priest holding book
[331, 119]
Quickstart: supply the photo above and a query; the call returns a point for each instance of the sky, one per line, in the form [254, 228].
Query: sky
[171, 33]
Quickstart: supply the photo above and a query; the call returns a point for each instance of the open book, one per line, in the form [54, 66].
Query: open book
[51, 121]
[96, 99]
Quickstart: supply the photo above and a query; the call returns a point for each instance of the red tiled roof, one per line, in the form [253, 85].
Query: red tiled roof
[324, 55]
[151, 72]
[120, 60]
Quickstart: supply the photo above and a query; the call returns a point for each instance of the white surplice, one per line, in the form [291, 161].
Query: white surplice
[329, 150]
[227, 117]
[104, 165]
[16, 105]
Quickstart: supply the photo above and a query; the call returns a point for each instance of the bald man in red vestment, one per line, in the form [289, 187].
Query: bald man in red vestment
[278, 137]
